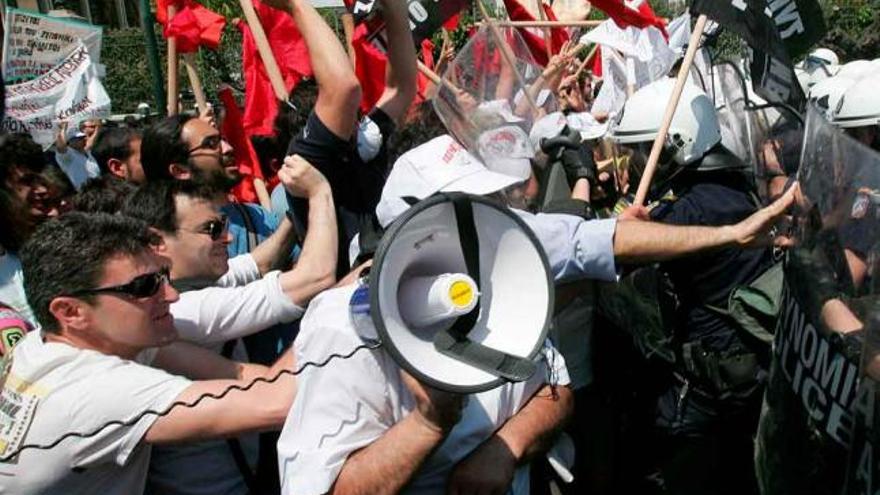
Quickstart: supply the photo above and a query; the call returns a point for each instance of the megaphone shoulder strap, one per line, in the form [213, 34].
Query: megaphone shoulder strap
[455, 342]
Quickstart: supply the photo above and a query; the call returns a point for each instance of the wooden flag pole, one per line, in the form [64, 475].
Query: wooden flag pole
[189, 62]
[543, 24]
[275, 77]
[265, 50]
[172, 66]
[680, 81]
[548, 39]
[586, 61]
[507, 56]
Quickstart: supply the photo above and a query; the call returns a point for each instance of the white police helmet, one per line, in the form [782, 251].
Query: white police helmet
[823, 56]
[826, 94]
[694, 129]
[856, 69]
[860, 104]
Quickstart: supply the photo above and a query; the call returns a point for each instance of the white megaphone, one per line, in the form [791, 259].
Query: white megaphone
[460, 293]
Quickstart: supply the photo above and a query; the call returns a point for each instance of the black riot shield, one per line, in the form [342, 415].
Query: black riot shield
[810, 420]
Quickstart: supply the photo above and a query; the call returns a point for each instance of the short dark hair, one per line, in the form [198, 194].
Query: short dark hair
[69, 253]
[113, 142]
[154, 202]
[105, 194]
[19, 150]
[408, 137]
[163, 145]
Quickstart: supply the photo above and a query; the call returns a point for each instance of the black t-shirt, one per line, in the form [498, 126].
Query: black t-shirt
[356, 183]
[710, 199]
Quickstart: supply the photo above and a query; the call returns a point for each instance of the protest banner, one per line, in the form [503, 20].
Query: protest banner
[773, 76]
[33, 43]
[70, 91]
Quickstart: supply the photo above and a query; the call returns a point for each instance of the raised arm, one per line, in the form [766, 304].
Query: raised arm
[316, 269]
[339, 92]
[400, 72]
[274, 252]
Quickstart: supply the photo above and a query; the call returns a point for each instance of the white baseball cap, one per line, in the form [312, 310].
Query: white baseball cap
[507, 150]
[440, 165]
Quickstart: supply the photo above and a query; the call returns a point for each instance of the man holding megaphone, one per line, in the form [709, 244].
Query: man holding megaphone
[459, 294]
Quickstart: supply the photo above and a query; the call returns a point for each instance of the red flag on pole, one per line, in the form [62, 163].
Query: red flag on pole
[193, 25]
[625, 16]
[245, 157]
[292, 56]
[536, 43]
[370, 68]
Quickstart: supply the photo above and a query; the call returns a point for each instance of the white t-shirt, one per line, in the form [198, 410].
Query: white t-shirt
[209, 317]
[12, 286]
[79, 167]
[55, 388]
[349, 403]
[242, 271]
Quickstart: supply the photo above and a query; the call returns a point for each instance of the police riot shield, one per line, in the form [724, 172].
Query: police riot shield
[807, 424]
[767, 139]
[491, 96]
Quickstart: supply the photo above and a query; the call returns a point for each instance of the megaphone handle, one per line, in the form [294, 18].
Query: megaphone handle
[498, 363]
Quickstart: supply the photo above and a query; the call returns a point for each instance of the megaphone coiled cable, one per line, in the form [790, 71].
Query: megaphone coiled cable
[371, 345]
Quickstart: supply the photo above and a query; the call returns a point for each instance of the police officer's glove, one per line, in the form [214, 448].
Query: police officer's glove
[579, 164]
[575, 155]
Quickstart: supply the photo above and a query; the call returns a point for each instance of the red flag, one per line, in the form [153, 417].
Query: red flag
[195, 26]
[289, 47]
[292, 57]
[370, 69]
[245, 157]
[536, 44]
[162, 9]
[451, 24]
[597, 62]
[625, 16]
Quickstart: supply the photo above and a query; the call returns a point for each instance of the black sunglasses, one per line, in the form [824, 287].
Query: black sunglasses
[142, 286]
[211, 142]
[214, 228]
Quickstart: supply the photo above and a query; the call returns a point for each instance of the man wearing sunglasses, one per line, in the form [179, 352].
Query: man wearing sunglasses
[107, 335]
[222, 301]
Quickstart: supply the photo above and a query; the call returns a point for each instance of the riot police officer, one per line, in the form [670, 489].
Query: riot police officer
[709, 399]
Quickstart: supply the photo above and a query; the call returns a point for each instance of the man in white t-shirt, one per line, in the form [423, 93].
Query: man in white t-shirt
[365, 426]
[73, 157]
[215, 310]
[98, 360]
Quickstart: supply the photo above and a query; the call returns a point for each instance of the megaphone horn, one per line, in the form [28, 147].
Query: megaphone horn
[460, 294]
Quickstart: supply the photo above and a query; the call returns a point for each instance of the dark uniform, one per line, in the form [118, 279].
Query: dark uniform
[707, 413]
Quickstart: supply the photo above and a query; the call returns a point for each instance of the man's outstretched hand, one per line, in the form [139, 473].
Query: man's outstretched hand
[757, 229]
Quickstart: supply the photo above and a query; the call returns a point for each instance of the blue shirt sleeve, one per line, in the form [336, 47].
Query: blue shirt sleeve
[576, 248]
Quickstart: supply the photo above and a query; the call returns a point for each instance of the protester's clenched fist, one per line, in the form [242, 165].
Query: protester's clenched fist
[300, 178]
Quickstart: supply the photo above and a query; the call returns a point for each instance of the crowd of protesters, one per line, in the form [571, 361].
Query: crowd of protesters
[147, 316]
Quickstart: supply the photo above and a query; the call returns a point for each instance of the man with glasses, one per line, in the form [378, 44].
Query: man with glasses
[222, 301]
[107, 335]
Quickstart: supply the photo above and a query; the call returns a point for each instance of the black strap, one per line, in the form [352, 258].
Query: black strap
[248, 225]
[454, 342]
[470, 249]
